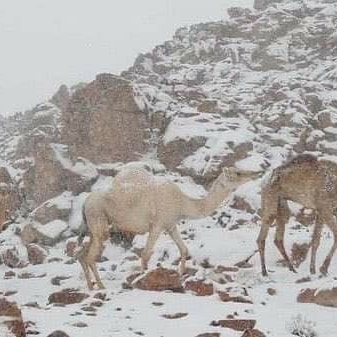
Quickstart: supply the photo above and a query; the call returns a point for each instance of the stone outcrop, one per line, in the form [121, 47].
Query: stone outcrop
[61, 97]
[104, 122]
[9, 197]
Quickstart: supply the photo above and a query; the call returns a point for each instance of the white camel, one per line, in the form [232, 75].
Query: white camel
[140, 202]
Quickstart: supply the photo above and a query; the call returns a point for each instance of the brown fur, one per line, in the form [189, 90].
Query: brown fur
[307, 181]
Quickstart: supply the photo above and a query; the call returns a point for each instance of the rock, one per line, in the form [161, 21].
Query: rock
[36, 255]
[71, 248]
[209, 106]
[235, 324]
[29, 235]
[173, 153]
[241, 204]
[9, 274]
[253, 333]
[67, 296]
[80, 324]
[55, 172]
[61, 97]
[10, 257]
[11, 317]
[107, 111]
[175, 316]
[159, 279]
[48, 234]
[56, 281]
[28, 275]
[271, 291]
[227, 297]
[304, 279]
[299, 253]
[101, 296]
[58, 333]
[200, 287]
[10, 292]
[56, 208]
[324, 297]
[9, 197]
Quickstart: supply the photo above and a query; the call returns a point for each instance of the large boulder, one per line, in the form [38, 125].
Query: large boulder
[104, 121]
[53, 173]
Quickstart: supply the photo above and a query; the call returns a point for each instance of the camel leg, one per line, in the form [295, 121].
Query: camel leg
[261, 240]
[282, 218]
[175, 235]
[94, 251]
[147, 252]
[83, 261]
[316, 238]
[330, 221]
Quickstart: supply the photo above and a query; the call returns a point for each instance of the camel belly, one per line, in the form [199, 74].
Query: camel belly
[134, 223]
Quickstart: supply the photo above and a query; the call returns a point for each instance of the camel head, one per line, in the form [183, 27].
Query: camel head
[233, 177]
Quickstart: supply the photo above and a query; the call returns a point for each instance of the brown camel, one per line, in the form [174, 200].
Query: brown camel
[307, 181]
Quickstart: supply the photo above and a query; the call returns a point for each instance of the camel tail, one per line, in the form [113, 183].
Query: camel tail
[83, 229]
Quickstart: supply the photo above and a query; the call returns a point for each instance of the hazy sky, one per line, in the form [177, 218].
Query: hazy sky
[45, 43]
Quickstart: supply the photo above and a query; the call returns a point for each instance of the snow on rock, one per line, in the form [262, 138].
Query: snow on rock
[251, 92]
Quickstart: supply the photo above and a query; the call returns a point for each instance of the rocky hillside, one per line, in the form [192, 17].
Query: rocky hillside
[250, 91]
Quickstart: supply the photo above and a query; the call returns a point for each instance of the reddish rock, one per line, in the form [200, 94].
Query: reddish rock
[271, 291]
[253, 333]
[159, 279]
[325, 297]
[10, 316]
[36, 255]
[200, 288]
[105, 112]
[235, 324]
[67, 296]
[226, 297]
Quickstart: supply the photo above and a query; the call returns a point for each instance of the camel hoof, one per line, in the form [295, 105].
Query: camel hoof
[324, 271]
[312, 271]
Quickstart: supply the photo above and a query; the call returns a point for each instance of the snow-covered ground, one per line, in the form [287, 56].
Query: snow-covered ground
[132, 312]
